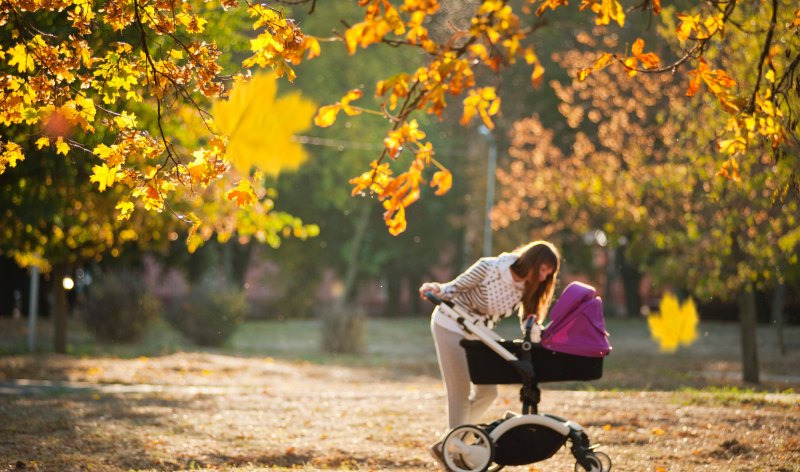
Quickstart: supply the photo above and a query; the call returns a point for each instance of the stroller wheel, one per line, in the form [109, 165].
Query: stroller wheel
[467, 448]
[598, 462]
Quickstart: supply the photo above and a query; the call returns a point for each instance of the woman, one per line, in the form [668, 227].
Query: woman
[493, 288]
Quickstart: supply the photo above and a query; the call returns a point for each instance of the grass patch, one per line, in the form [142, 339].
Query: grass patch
[404, 344]
[731, 396]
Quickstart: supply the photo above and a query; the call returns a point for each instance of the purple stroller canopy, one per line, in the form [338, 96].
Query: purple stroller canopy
[576, 323]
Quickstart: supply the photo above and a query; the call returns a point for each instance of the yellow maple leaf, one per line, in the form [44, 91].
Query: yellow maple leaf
[10, 154]
[22, 58]
[675, 324]
[61, 146]
[125, 210]
[260, 125]
[104, 176]
[112, 155]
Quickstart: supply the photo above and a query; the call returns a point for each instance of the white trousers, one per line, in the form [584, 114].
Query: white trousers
[465, 402]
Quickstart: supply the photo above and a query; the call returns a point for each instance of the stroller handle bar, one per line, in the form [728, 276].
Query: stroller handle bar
[527, 327]
[436, 300]
[470, 326]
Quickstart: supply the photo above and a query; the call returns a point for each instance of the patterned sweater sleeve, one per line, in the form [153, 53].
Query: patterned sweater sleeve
[468, 279]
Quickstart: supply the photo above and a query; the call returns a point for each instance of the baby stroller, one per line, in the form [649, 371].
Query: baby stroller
[572, 348]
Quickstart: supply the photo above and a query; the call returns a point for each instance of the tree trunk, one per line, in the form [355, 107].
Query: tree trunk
[203, 259]
[352, 268]
[414, 281]
[778, 300]
[240, 255]
[393, 287]
[60, 311]
[631, 280]
[611, 276]
[748, 325]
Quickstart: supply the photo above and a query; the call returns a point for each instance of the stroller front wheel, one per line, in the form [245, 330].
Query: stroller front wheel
[467, 448]
[597, 461]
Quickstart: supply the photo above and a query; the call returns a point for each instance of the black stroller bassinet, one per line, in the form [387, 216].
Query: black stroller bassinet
[487, 367]
[529, 437]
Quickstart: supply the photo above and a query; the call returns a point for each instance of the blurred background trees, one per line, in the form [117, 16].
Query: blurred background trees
[631, 177]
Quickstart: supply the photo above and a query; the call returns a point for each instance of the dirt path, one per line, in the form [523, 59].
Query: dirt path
[211, 412]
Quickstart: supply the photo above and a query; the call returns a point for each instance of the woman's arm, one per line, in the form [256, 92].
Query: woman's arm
[470, 278]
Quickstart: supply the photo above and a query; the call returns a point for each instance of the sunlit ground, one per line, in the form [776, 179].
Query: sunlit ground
[271, 400]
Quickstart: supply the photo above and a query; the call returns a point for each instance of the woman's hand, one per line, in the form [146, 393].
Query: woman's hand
[432, 287]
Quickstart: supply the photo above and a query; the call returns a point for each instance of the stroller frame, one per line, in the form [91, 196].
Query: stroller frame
[473, 448]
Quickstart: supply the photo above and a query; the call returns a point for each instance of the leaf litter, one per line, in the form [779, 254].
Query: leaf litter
[217, 412]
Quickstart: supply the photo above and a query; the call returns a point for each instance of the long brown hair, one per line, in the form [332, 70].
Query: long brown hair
[537, 295]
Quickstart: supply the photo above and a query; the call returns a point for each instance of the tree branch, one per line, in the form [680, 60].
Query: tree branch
[764, 52]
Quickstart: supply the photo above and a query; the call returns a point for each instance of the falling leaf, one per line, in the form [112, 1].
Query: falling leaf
[675, 324]
[260, 125]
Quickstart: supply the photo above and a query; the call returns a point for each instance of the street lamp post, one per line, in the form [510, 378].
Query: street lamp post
[487, 226]
[33, 308]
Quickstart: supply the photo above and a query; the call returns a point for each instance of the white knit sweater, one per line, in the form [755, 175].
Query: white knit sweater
[486, 288]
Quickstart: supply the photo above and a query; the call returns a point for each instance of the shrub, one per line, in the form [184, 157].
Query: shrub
[119, 308]
[343, 329]
[210, 313]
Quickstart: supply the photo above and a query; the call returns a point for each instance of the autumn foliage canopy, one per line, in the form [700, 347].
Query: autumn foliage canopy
[73, 71]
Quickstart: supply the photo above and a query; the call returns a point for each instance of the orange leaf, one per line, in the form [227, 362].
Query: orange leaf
[602, 61]
[394, 143]
[630, 66]
[730, 170]
[326, 116]
[606, 11]
[649, 60]
[243, 195]
[552, 4]
[352, 95]
[395, 220]
[718, 80]
[376, 179]
[425, 153]
[442, 179]
[536, 75]
[311, 45]
[656, 7]
[638, 47]
[352, 36]
[687, 26]
[694, 84]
